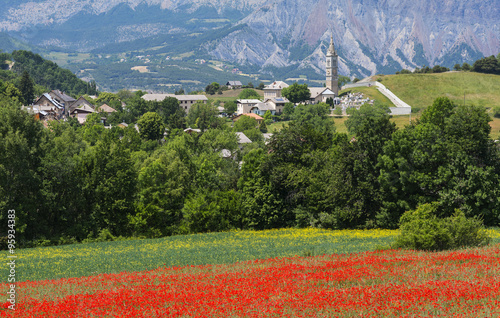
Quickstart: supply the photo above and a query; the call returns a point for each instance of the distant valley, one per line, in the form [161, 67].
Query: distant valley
[190, 43]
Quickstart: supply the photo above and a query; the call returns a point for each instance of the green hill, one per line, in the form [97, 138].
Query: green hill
[420, 90]
[44, 73]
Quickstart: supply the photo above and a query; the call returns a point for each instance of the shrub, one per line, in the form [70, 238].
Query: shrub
[421, 229]
[496, 112]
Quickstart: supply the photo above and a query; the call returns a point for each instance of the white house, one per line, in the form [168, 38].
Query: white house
[274, 89]
[245, 105]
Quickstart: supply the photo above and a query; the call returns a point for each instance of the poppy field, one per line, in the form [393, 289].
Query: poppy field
[78, 260]
[381, 283]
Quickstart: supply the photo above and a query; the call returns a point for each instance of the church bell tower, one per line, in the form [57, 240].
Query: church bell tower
[332, 77]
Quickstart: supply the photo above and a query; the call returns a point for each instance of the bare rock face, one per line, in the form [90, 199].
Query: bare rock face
[371, 36]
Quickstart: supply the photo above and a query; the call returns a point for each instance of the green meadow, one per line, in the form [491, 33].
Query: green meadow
[198, 249]
[420, 90]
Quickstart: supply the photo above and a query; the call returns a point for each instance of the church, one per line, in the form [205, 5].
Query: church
[332, 66]
[331, 88]
[274, 101]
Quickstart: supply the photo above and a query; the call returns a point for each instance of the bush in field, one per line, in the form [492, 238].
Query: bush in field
[421, 229]
[496, 112]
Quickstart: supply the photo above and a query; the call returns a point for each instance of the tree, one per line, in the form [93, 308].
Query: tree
[288, 110]
[21, 149]
[296, 93]
[446, 158]
[204, 116]
[151, 126]
[487, 65]
[163, 184]
[62, 210]
[230, 108]
[92, 88]
[441, 108]
[466, 67]
[263, 127]
[343, 80]
[212, 88]
[166, 108]
[27, 89]
[260, 206]
[10, 92]
[215, 140]
[254, 134]
[248, 93]
[315, 115]
[107, 98]
[439, 69]
[212, 211]
[356, 116]
[245, 123]
[268, 117]
[457, 67]
[329, 101]
[3, 59]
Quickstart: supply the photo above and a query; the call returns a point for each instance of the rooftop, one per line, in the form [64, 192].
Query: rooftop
[276, 85]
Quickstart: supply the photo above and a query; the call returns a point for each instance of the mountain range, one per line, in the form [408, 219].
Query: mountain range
[371, 36]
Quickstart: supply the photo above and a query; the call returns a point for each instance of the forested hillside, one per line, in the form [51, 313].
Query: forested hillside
[48, 75]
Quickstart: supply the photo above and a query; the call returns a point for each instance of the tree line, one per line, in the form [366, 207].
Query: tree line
[488, 65]
[73, 183]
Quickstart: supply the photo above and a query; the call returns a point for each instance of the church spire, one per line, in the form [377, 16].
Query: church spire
[331, 49]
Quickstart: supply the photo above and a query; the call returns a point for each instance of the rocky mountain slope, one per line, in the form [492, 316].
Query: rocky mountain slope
[371, 36]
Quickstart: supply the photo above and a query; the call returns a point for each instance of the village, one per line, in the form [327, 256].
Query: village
[57, 105]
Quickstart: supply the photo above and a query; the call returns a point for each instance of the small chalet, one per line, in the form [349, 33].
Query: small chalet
[320, 94]
[48, 104]
[81, 112]
[278, 103]
[104, 108]
[61, 97]
[234, 84]
[261, 108]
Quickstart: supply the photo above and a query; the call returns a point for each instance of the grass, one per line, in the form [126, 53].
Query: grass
[212, 248]
[420, 90]
[63, 59]
[277, 126]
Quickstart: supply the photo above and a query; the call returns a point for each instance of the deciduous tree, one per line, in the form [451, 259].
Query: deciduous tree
[296, 93]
